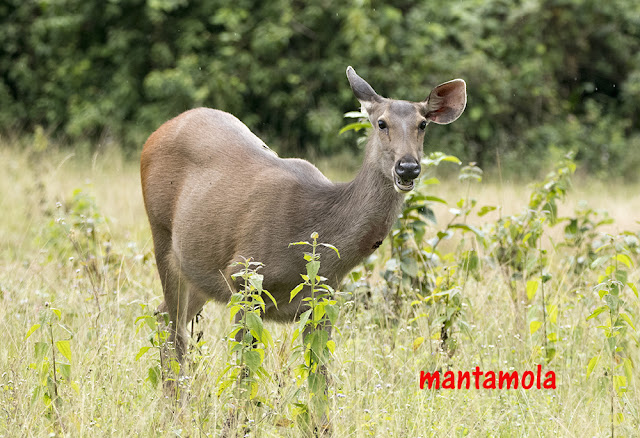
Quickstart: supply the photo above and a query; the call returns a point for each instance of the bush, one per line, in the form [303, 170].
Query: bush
[538, 71]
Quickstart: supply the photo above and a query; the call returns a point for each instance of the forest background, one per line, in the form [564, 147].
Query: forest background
[544, 77]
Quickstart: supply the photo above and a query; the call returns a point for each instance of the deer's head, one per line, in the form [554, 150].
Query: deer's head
[398, 125]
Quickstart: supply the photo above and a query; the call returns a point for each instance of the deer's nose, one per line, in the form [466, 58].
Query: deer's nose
[407, 168]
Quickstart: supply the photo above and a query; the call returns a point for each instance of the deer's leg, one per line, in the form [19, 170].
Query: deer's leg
[181, 302]
[176, 305]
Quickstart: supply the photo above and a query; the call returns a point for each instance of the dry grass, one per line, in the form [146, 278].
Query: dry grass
[376, 369]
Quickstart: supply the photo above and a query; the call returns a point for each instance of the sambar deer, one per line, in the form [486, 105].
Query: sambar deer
[214, 193]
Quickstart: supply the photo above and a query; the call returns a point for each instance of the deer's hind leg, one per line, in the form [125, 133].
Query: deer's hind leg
[182, 301]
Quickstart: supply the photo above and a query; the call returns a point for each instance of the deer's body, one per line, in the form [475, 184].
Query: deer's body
[220, 181]
[215, 193]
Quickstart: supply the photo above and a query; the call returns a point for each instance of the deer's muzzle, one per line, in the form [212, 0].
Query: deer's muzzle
[405, 172]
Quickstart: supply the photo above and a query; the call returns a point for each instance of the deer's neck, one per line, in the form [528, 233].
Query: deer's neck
[361, 214]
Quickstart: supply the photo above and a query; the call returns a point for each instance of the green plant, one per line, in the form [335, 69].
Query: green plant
[582, 237]
[617, 328]
[247, 340]
[447, 274]
[514, 242]
[51, 369]
[79, 234]
[313, 326]
[158, 337]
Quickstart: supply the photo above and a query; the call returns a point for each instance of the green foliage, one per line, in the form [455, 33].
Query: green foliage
[246, 356]
[380, 348]
[78, 232]
[618, 328]
[248, 340]
[158, 337]
[53, 360]
[78, 227]
[544, 77]
[316, 349]
[418, 269]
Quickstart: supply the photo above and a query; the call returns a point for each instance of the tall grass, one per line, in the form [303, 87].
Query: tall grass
[102, 277]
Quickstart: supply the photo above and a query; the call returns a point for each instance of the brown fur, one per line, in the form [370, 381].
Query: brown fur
[214, 193]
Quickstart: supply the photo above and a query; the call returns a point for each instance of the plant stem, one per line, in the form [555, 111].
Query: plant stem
[53, 360]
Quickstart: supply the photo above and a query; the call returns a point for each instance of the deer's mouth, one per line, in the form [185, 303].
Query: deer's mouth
[402, 186]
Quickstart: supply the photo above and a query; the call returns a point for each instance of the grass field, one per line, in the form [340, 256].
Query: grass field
[90, 255]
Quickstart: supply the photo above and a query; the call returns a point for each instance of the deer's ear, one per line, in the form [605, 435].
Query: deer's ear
[362, 90]
[446, 102]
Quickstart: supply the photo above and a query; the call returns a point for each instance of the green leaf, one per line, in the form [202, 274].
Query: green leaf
[318, 340]
[430, 181]
[332, 313]
[65, 370]
[355, 126]
[550, 353]
[634, 288]
[470, 228]
[532, 288]
[252, 359]
[328, 245]
[57, 312]
[435, 199]
[255, 280]
[621, 275]
[312, 269]
[233, 311]
[254, 324]
[486, 209]
[295, 335]
[628, 368]
[592, 364]
[410, 267]
[620, 384]
[295, 291]
[435, 158]
[175, 366]
[451, 159]
[142, 351]
[150, 320]
[303, 319]
[41, 349]
[36, 393]
[64, 347]
[153, 375]
[597, 312]
[627, 320]
[623, 258]
[534, 326]
[317, 384]
[603, 290]
[417, 342]
[318, 312]
[267, 293]
[470, 260]
[552, 311]
[331, 345]
[599, 261]
[33, 328]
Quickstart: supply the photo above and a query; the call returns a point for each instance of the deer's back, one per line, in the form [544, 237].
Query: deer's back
[217, 192]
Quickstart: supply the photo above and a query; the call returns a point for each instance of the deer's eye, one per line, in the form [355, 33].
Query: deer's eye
[382, 124]
[423, 125]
